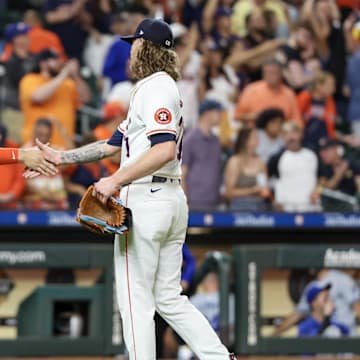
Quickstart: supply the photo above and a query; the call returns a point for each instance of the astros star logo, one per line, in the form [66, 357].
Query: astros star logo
[163, 116]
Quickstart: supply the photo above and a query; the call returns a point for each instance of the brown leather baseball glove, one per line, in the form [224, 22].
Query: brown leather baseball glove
[112, 217]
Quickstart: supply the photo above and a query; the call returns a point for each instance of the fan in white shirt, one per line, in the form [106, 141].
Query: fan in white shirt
[294, 171]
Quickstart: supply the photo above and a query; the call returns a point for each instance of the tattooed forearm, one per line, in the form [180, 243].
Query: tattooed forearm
[91, 152]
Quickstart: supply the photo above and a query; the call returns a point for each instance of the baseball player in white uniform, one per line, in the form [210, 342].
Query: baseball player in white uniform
[148, 263]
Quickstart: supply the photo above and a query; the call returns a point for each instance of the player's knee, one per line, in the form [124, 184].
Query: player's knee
[166, 304]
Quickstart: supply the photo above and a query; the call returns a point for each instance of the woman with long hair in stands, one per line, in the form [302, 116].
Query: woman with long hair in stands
[245, 175]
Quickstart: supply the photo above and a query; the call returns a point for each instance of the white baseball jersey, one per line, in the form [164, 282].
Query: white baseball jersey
[155, 108]
[148, 259]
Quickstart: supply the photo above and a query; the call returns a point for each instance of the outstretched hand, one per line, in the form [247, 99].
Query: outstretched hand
[41, 160]
[49, 153]
[34, 159]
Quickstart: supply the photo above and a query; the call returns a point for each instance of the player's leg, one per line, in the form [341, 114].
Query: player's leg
[136, 260]
[136, 303]
[176, 309]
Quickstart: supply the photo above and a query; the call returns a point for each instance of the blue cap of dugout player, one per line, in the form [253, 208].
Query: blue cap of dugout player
[155, 30]
[315, 290]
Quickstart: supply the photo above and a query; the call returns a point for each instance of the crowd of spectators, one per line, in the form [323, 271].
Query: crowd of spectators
[270, 90]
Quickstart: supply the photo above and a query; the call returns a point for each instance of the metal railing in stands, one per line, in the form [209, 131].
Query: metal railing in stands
[339, 199]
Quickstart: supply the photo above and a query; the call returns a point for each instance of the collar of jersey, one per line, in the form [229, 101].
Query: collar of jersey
[142, 81]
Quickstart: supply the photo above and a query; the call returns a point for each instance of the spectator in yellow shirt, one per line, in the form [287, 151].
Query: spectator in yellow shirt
[243, 8]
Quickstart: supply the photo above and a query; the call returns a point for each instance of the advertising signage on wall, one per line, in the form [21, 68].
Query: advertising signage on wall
[200, 219]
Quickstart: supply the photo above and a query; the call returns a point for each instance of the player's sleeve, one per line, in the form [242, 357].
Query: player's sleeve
[9, 156]
[18, 185]
[159, 114]
[118, 135]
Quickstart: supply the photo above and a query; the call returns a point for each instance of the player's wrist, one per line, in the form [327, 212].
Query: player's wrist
[116, 181]
[18, 155]
[61, 158]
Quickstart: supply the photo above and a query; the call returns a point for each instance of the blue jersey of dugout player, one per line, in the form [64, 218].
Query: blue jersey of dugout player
[148, 261]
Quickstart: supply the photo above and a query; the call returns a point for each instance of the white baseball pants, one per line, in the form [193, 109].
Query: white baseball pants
[148, 271]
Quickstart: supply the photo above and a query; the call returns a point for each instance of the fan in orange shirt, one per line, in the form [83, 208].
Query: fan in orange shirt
[317, 104]
[271, 92]
[51, 92]
[40, 38]
[112, 113]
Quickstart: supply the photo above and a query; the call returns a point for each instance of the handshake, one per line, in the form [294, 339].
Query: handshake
[43, 160]
[40, 160]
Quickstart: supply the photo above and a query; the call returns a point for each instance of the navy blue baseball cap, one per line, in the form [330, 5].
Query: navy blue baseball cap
[315, 289]
[14, 29]
[209, 105]
[154, 30]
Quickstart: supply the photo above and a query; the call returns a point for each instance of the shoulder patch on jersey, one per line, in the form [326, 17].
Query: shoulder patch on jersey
[163, 116]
